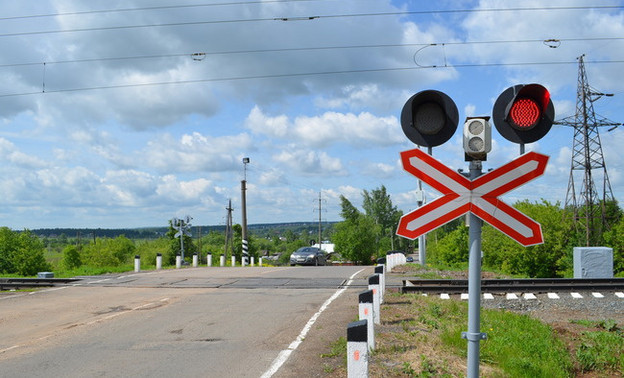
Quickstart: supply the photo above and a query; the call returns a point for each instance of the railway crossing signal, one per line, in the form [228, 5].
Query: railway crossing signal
[429, 118]
[523, 113]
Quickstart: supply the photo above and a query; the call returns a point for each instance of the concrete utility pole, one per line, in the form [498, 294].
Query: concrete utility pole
[229, 243]
[319, 224]
[244, 209]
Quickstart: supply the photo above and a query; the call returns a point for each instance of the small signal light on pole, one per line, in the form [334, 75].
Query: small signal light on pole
[524, 113]
[477, 138]
[429, 118]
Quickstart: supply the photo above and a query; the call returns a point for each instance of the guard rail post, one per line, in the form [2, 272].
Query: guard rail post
[158, 261]
[373, 284]
[137, 263]
[357, 350]
[365, 312]
[380, 269]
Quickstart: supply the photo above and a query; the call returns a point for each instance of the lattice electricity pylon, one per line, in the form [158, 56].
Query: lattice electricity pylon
[587, 207]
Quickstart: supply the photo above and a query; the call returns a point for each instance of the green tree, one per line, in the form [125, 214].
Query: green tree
[452, 248]
[348, 211]
[105, 252]
[614, 238]
[355, 239]
[553, 258]
[71, 257]
[8, 246]
[29, 256]
[21, 253]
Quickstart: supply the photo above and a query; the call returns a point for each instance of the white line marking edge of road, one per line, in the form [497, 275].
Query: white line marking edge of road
[284, 354]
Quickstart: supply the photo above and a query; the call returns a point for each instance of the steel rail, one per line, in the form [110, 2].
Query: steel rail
[538, 285]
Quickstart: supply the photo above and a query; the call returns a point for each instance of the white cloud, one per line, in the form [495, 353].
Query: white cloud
[195, 153]
[10, 154]
[308, 162]
[361, 130]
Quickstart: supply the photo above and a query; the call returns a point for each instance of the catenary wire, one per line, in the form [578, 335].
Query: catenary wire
[295, 49]
[142, 9]
[301, 18]
[293, 75]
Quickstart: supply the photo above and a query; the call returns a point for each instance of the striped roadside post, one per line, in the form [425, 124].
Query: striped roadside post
[357, 350]
[158, 261]
[365, 312]
[373, 284]
[380, 269]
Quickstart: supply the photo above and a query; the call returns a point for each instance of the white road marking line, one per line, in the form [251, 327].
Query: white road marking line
[284, 354]
[9, 348]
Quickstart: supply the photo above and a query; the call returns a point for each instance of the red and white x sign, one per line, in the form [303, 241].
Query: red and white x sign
[479, 196]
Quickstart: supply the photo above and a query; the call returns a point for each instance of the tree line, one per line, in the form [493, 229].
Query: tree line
[362, 237]
[365, 235]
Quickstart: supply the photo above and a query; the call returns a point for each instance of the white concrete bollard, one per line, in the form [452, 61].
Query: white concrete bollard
[194, 260]
[260, 261]
[373, 284]
[178, 261]
[233, 261]
[379, 269]
[251, 261]
[365, 312]
[209, 259]
[222, 260]
[137, 263]
[357, 350]
[158, 261]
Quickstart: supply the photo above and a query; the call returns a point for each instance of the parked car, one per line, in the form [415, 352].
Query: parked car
[308, 256]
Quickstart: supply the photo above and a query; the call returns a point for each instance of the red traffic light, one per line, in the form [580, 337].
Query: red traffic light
[523, 113]
[429, 118]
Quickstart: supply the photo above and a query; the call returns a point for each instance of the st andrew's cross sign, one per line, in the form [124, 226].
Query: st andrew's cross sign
[461, 195]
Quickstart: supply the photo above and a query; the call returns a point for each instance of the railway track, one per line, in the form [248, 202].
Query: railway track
[32, 283]
[538, 285]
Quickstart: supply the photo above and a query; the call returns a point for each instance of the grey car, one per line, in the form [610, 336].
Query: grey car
[308, 256]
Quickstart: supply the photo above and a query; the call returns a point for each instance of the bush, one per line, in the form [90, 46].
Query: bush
[71, 257]
[21, 253]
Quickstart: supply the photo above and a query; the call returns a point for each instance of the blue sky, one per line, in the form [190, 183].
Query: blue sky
[128, 113]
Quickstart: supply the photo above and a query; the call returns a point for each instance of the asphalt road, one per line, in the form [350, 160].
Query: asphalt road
[193, 322]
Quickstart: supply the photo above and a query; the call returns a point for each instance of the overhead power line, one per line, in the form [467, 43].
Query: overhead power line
[142, 9]
[290, 75]
[201, 55]
[305, 17]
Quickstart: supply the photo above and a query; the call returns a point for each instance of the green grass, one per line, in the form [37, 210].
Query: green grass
[86, 270]
[602, 349]
[517, 344]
